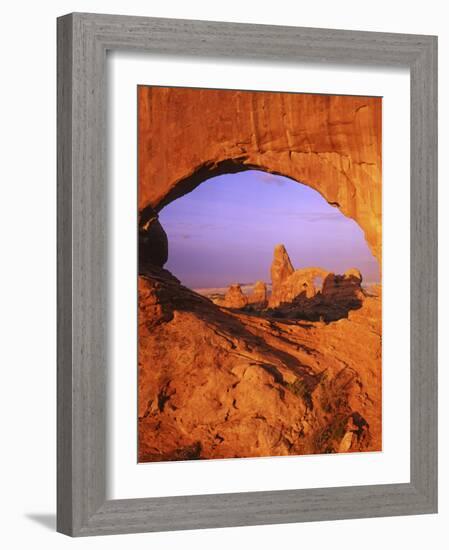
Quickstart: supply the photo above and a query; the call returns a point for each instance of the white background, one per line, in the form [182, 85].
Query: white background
[27, 122]
[131, 480]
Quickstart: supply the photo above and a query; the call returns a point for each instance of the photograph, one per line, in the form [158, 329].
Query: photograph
[247, 263]
[259, 274]
[221, 257]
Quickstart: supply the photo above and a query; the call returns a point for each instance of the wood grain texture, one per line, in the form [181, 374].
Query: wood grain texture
[83, 40]
[64, 277]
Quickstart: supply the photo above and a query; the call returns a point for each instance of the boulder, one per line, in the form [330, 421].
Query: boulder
[234, 297]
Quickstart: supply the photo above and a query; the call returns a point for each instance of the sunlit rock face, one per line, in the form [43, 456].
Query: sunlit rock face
[217, 382]
[281, 270]
[341, 287]
[288, 283]
[306, 282]
[259, 296]
[234, 297]
[331, 143]
[312, 293]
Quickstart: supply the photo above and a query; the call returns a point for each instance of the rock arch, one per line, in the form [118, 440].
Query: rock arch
[330, 143]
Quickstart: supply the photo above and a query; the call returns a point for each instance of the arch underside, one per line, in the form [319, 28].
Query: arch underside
[370, 225]
[330, 143]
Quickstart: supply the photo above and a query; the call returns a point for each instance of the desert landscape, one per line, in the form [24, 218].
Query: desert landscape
[285, 365]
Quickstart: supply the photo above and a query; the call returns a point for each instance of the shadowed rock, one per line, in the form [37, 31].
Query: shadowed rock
[341, 288]
[153, 242]
[312, 293]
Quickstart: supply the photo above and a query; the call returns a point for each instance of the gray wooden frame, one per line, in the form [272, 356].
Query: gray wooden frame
[83, 40]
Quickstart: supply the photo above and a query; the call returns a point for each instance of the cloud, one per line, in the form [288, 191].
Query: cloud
[271, 179]
[180, 236]
[315, 217]
[179, 225]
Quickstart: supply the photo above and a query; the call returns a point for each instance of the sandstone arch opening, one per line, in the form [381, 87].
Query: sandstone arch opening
[222, 235]
[257, 369]
[329, 142]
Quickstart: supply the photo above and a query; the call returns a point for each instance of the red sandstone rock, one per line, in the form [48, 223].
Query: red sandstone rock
[302, 282]
[215, 382]
[259, 296]
[328, 142]
[354, 272]
[281, 269]
[235, 298]
[312, 293]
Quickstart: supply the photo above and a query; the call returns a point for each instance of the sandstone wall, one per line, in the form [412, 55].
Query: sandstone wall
[331, 143]
[218, 383]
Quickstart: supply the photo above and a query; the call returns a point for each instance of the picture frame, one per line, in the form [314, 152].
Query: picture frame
[82, 506]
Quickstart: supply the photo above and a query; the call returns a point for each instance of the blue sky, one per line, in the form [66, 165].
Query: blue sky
[226, 229]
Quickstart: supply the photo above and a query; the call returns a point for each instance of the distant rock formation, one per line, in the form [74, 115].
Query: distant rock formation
[343, 287]
[354, 272]
[312, 293]
[234, 298]
[306, 282]
[281, 270]
[259, 296]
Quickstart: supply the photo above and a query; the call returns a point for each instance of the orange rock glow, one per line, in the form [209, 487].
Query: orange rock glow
[290, 370]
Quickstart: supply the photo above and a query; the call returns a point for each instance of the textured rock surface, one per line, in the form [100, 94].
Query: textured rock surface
[331, 143]
[337, 297]
[312, 293]
[234, 297]
[259, 295]
[215, 382]
[306, 282]
[281, 270]
[342, 287]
